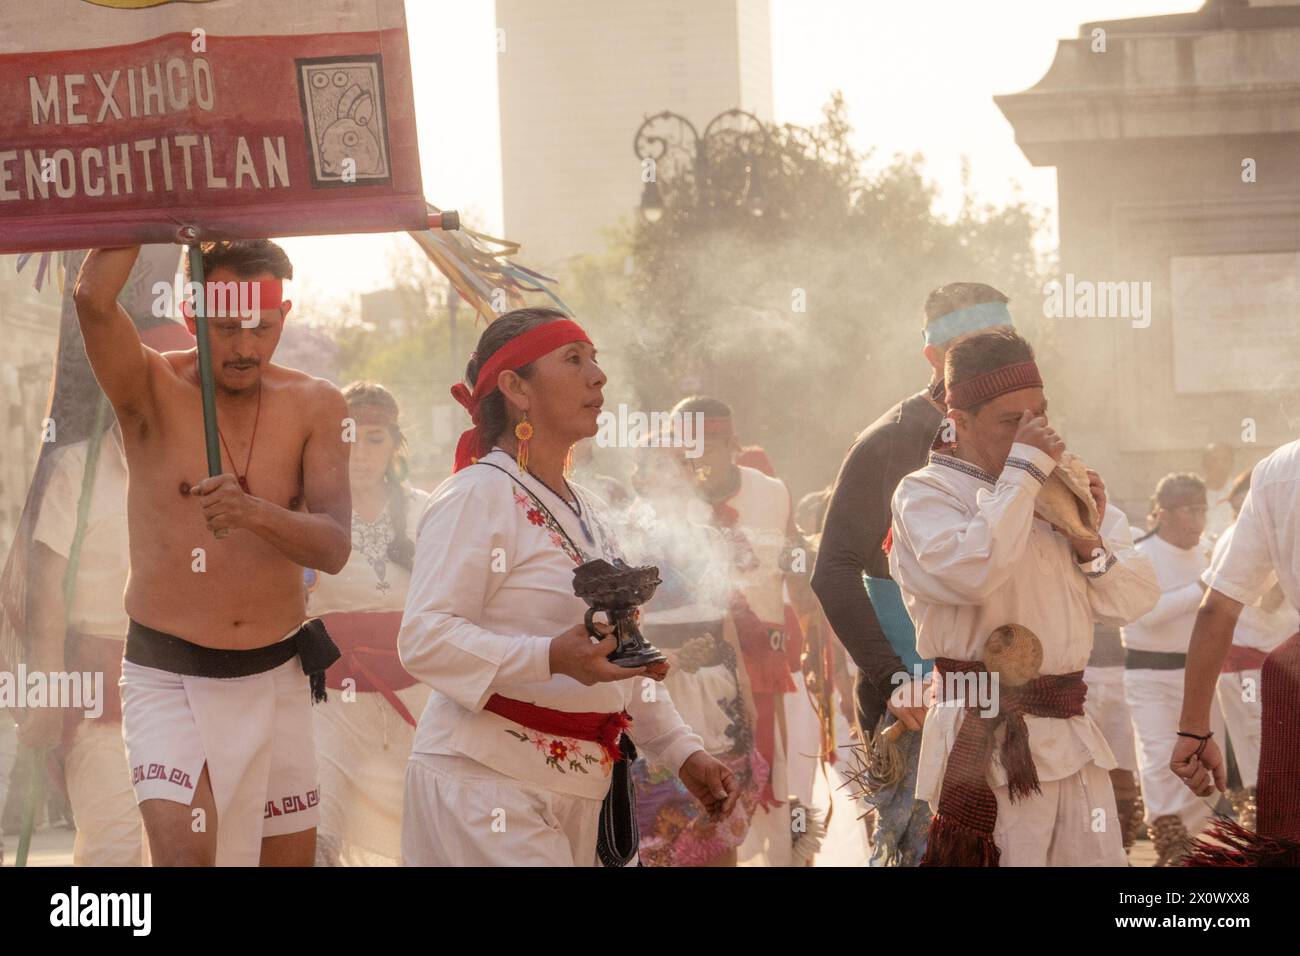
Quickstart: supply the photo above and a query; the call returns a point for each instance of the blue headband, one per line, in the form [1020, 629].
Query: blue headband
[986, 315]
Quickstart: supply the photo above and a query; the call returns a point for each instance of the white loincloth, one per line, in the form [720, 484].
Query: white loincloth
[363, 746]
[1155, 698]
[460, 813]
[255, 735]
[1239, 698]
[110, 831]
[1106, 705]
[1071, 823]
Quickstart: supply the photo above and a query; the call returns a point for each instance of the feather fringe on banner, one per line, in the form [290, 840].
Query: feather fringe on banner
[477, 267]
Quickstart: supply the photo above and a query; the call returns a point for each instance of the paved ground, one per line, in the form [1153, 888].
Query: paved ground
[50, 847]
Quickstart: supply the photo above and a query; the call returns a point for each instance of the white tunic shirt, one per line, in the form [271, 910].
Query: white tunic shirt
[1218, 515]
[970, 556]
[1256, 627]
[763, 504]
[1264, 544]
[1167, 627]
[492, 584]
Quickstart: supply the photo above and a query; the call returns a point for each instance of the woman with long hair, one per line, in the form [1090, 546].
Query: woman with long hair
[364, 731]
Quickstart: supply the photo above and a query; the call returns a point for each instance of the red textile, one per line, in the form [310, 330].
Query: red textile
[761, 649]
[1277, 792]
[756, 457]
[219, 299]
[603, 729]
[1243, 659]
[519, 351]
[961, 833]
[794, 640]
[367, 641]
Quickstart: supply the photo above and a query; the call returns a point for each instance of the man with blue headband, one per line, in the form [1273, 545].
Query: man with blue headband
[871, 621]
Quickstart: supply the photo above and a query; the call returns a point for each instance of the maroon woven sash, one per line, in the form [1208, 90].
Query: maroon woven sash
[1278, 789]
[961, 833]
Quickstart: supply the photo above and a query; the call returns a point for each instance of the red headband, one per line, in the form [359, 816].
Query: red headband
[261, 296]
[519, 351]
[983, 388]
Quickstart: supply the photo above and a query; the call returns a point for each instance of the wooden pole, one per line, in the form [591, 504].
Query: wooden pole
[206, 387]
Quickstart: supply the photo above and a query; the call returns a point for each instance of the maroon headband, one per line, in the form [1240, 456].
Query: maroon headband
[983, 388]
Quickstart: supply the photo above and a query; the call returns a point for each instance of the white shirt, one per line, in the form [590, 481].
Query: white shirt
[763, 506]
[1218, 515]
[97, 602]
[1167, 627]
[970, 556]
[492, 584]
[1264, 544]
[1256, 627]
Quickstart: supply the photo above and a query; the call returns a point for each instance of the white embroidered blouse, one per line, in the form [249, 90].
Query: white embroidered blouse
[492, 584]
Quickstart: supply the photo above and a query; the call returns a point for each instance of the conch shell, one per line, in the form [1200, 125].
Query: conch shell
[1065, 499]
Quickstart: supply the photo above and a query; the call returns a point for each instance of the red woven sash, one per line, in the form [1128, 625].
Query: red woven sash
[367, 642]
[961, 833]
[1278, 789]
[603, 729]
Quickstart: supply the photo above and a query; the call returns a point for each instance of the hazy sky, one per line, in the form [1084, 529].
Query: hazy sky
[917, 76]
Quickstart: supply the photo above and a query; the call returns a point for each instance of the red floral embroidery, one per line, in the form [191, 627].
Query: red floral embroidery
[540, 519]
[564, 755]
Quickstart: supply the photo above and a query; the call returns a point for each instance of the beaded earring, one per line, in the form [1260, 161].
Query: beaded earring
[523, 432]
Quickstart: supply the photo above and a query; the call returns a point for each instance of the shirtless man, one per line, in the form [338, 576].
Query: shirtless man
[215, 690]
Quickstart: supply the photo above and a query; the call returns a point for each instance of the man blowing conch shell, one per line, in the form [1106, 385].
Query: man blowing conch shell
[974, 552]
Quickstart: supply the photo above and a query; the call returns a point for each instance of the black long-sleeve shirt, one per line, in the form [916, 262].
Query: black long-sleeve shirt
[857, 520]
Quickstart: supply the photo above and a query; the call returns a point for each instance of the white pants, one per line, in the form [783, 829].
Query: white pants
[1155, 698]
[1071, 823]
[1106, 705]
[1239, 698]
[460, 813]
[110, 831]
[253, 733]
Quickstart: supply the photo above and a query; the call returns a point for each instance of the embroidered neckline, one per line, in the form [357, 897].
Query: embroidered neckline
[371, 539]
[541, 516]
[964, 467]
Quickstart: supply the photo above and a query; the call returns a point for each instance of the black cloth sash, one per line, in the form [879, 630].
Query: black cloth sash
[312, 644]
[1153, 660]
[619, 835]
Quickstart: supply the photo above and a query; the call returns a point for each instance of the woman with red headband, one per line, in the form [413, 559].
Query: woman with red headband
[520, 756]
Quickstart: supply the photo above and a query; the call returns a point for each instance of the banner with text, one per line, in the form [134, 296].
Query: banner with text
[126, 121]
